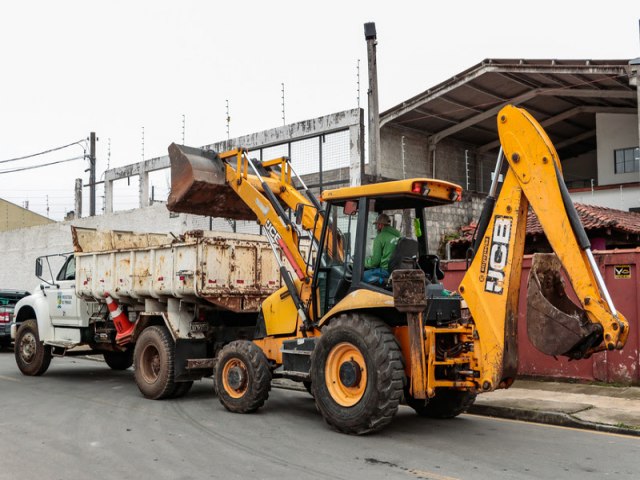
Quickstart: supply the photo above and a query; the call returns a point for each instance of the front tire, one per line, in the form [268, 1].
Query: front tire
[243, 377]
[32, 356]
[447, 403]
[357, 375]
[119, 360]
[154, 362]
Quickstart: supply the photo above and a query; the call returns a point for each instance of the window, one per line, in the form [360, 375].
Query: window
[627, 160]
[68, 271]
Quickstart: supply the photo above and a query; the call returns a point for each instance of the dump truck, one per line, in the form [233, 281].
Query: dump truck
[164, 303]
[363, 347]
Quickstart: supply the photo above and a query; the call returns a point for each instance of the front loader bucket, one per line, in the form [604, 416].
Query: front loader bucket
[555, 325]
[198, 185]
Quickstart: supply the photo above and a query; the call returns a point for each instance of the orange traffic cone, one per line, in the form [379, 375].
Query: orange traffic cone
[124, 327]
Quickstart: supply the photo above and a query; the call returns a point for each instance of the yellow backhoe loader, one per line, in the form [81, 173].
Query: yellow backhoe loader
[363, 348]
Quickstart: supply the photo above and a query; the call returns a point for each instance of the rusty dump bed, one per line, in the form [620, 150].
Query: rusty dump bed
[198, 185]
[231, 271]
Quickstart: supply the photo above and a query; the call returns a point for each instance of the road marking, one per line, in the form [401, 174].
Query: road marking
[11, 379]
[429, 475]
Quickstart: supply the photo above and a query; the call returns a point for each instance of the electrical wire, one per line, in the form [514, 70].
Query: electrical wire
[42, 153]
[40, 166]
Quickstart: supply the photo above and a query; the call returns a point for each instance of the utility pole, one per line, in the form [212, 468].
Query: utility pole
[78, 198]
[92, 174]
[374, 114]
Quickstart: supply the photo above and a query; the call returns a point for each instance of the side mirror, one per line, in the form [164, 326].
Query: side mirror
[39, 267]
[350, 208]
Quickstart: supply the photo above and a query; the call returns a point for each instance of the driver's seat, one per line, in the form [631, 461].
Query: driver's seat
[404, 256]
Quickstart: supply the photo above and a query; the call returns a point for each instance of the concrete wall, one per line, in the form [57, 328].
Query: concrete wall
[446, 220]
[578, 171]
[615, 131]
[406, 154]
[621, 198]
[21, 247]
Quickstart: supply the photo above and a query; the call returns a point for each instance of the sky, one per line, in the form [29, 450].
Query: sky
[118, 67]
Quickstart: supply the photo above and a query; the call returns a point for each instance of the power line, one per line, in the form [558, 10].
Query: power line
[40, 166]
[41, 153]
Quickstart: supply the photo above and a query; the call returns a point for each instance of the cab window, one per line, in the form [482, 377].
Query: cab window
[68, 270]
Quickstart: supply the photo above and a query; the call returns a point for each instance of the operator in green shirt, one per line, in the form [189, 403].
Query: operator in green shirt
[377, 265]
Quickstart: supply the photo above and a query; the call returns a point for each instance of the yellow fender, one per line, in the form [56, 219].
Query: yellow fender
[361, 299]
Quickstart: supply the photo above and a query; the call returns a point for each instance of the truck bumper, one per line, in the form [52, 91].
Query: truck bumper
[14, 329]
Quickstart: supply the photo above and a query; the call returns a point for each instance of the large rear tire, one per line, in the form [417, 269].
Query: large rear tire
[154, 363]
[243, 377]
[357, 375]
[33, 357]
[447, 403]
[119, 360]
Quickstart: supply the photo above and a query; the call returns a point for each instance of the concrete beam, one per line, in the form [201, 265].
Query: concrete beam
[351, 120]
[335, 122]
[134, 169]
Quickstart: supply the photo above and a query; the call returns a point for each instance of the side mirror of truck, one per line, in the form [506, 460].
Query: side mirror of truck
[39, 267]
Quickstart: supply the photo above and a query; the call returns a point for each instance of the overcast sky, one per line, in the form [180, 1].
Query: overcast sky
[113, 67]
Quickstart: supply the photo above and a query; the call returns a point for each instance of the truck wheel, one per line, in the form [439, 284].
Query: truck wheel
[356, 374]
[447, 403]
[243, 377]
[119, 360]
[32, 356]
[181, 389]
[154, 363]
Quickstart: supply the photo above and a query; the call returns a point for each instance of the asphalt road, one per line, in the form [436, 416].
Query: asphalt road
[82, 420]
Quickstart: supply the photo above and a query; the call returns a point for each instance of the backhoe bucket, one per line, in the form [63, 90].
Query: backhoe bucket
[555, 325]
[198, 185]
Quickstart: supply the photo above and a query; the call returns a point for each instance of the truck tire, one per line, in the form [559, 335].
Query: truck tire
[32, 356]
[181, 389]
[242, 377]
[357, 376]
[447, 403]
[119, 360]
[307, 387]
[154, 363]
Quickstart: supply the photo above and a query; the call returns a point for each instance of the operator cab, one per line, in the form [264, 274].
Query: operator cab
[351, 257]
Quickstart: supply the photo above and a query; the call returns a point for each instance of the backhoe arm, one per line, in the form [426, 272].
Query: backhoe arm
[491, 285]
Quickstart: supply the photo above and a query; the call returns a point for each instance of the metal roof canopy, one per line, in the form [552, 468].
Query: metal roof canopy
[563, 95]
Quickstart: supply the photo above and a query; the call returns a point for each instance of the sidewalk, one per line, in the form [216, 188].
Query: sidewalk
[595, 407]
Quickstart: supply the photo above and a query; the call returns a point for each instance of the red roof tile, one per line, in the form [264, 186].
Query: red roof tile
[595, 218]
[591, 216]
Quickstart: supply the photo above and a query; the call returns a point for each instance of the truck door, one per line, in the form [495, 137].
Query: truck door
[63, 302]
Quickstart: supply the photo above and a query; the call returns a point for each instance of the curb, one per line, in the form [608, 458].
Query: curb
[548, 418]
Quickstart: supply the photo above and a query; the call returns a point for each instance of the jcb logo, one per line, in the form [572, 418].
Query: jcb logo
[271, 231]
[498, 255]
